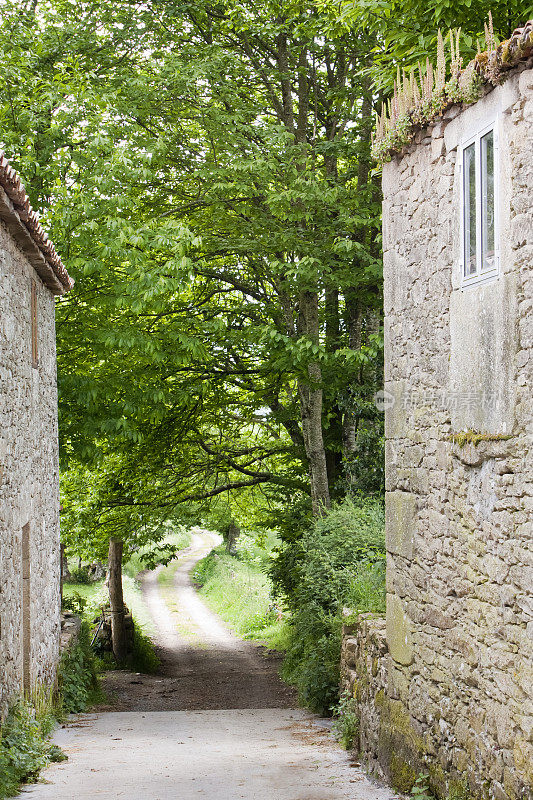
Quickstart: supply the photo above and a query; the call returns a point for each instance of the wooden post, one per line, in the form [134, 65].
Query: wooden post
[116, 599]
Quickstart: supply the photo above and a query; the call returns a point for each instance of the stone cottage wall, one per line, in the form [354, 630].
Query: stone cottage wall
[28, 474]
[458, 700]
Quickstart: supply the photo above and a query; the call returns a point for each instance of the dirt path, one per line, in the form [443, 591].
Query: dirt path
[203, 665]
[216, 723]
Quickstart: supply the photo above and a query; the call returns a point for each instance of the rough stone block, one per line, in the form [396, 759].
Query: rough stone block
[399, 634]
[400, 523]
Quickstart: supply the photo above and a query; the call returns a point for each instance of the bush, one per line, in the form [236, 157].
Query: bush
[24, 745]
[80, 575]
[340, 560]
[75, 603]
[77, 680]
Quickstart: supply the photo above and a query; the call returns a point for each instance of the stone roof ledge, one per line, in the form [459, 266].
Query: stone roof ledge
[23, 224]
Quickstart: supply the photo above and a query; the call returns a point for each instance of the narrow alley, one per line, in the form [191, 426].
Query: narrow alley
[215, 722]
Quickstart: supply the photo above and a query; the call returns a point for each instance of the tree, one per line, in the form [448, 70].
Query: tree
[197, 168]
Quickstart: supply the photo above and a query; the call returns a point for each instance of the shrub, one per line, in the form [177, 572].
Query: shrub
[80, 575]
[77, 680]
[24, 745]
[339, 560]
[75, 603]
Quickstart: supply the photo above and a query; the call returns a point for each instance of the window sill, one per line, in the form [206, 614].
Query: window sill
[477, 280]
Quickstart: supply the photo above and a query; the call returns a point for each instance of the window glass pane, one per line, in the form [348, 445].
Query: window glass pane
[469, 171]
[487, 201]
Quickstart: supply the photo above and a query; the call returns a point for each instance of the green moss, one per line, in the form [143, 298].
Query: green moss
[437, 779]
[473, 437]
[380, 698]
[403, 776]
[458, 790]
[401, 749]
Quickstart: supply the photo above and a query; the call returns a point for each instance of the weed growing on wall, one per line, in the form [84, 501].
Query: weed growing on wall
[346, 725]
[77, 680]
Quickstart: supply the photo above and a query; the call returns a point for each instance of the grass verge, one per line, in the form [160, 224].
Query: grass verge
[238, 589]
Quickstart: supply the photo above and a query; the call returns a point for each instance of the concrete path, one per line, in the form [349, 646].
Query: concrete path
[216, 722]
[267, 754]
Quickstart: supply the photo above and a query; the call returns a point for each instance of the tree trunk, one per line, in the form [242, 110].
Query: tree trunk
[311, 408]
[116, 599]
[353, 326]
[233, 534]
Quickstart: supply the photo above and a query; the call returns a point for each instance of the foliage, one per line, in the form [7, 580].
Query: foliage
[143, 658]
[80, 575]
[216, 210]
[24, 736]
[366, 588]
[408, 29]
[351, 532]
[420, 789]
[346, 723]
[74, 602]
[417, 101]
[24, 745]
[420, 100]
[176, 538]
[77, 679]
[339, 559]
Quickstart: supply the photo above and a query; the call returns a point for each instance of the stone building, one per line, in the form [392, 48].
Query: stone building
[445, 685]
[31, 275]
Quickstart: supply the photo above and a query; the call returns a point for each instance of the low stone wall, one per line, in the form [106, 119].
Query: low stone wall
[70, 629]
[364, 676]
[397, 740]
[390, 743]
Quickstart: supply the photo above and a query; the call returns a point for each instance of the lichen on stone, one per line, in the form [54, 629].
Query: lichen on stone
[463, 438]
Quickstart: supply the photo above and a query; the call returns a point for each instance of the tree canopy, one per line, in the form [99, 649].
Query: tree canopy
[204, 169]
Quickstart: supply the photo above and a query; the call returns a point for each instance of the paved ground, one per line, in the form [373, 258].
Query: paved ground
[267, 754]
[215, 723]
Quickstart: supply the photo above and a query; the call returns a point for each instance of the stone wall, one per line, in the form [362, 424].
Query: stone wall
[29, 491]
[454, 694]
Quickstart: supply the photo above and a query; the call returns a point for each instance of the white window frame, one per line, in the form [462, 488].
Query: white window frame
[480, 276]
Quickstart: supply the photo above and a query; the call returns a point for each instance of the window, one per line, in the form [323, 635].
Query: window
[34, 348]
[479, 182]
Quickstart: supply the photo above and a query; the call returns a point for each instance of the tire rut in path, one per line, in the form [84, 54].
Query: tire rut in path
[203, 665]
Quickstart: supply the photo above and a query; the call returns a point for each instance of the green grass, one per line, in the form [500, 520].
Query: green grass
[240, 592]
[85, 590]
[167, 574]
